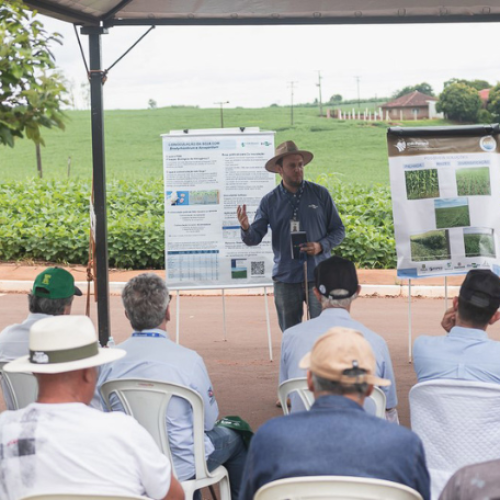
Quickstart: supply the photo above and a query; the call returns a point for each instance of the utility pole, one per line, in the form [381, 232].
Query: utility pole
[320, 101]
[357, 82]
[291, 85]
[221, 104]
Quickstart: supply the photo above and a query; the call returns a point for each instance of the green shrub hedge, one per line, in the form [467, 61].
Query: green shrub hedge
[49, 221]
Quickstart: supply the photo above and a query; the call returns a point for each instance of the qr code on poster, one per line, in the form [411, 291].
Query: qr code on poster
[258, 268]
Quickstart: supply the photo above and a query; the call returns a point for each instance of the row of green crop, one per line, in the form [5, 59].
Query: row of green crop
[49, 221]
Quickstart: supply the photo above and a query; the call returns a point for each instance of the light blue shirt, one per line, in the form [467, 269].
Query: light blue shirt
[318, 217]
[464, 353]
[156, 357]
[14, 343]
[300, 339]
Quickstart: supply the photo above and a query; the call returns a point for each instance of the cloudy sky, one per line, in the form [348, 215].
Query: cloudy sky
[252, 66]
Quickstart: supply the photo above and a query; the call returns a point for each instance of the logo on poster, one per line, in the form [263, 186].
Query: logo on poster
[488, 143]
[402, 145]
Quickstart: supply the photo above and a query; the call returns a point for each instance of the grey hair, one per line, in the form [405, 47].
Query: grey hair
[321, 384]
[145, 299]
[44, 305]
[327, 302]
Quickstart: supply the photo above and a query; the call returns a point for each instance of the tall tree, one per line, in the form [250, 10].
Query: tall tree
[494, 102]
[423, 87]
[459, 102]
[475, 84]
[32, 93]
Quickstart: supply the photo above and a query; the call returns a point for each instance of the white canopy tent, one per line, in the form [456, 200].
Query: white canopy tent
[96, 16]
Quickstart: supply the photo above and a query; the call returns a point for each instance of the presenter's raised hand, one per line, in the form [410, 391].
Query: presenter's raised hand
[243, 217]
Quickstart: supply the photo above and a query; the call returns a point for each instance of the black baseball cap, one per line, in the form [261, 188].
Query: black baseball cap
[336, 278]
[481, 288]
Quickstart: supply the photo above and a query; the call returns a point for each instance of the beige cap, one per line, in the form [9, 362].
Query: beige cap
[338, 351]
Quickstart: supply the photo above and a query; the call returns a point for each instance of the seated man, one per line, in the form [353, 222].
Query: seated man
[466, 352]
[151, 354]
[336, 287]
[336, 437]
[59, 444]
[52, 295]
[474, 482]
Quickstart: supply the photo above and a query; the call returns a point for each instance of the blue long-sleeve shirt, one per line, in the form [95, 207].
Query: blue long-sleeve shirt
[318, 217]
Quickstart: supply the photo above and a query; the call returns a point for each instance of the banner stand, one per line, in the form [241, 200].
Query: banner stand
[445, 293]
[266, 308]
[409, 321]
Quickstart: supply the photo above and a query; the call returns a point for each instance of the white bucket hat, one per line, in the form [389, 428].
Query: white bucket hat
[62, 344]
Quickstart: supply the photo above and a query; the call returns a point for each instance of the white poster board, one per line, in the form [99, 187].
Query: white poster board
[445, 185]
[208, 173]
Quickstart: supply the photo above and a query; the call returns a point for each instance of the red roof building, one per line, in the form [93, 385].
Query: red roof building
[412, 106]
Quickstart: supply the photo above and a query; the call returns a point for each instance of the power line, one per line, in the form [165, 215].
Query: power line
[292, 86]
[320, 100]
[221, 104]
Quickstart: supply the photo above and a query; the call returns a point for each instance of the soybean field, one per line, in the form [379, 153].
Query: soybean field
[422, 184]
[473, 181]
[432, 245]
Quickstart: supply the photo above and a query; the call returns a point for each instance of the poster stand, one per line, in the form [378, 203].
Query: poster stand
[266, 308]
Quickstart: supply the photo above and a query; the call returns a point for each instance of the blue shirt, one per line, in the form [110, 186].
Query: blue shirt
[299, 340]
[335, 438]
[318, 217]
[464, 353]
[158, 358]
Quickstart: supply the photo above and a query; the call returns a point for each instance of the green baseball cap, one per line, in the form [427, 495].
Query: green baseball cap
[55, 283]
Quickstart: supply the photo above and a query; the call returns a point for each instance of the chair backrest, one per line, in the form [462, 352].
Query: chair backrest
[335, 487]
[20, 389]
[459, 424]
[147, 401]
[82, 496]
[375, 404]
[298, 385]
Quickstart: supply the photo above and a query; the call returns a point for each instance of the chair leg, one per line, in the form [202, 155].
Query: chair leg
[212, 492]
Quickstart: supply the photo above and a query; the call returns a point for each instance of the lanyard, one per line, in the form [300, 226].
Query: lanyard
[147, 334]
[294, 199]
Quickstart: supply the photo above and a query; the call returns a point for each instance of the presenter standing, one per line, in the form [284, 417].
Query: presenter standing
[305, 227]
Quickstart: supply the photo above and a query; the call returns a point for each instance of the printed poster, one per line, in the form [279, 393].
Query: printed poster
[208, 173]
[445, 185]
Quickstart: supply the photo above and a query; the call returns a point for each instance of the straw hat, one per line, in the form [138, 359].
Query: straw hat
[62, 344]
[285, 149]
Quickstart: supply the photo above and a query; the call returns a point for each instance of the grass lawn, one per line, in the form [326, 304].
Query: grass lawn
[354, 149]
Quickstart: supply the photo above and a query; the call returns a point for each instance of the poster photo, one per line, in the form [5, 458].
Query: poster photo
[445, 186]
[207, 174]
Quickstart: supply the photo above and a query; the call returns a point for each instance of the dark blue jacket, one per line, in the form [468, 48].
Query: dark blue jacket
[337, 438]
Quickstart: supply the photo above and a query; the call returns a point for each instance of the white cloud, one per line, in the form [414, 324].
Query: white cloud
[251, 66]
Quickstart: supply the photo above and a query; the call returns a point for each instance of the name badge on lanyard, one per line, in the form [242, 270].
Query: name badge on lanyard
[294, 226]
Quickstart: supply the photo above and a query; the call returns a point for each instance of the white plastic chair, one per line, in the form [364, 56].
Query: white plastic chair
[335, 487]
[298, 385]
[459, 424]
[19, 389]
[376, 403]
[147, 401]
[83, 496]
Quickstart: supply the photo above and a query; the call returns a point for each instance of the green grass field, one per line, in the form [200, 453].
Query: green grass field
[354, 149]
[452, 216]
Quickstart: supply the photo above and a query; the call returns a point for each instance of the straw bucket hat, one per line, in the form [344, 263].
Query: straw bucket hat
[62, 344]
[285, 149]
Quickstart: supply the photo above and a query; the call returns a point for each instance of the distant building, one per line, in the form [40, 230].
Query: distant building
[485, 97]
[412, 106]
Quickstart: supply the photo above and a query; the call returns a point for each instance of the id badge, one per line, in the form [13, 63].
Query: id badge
[294, 226]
